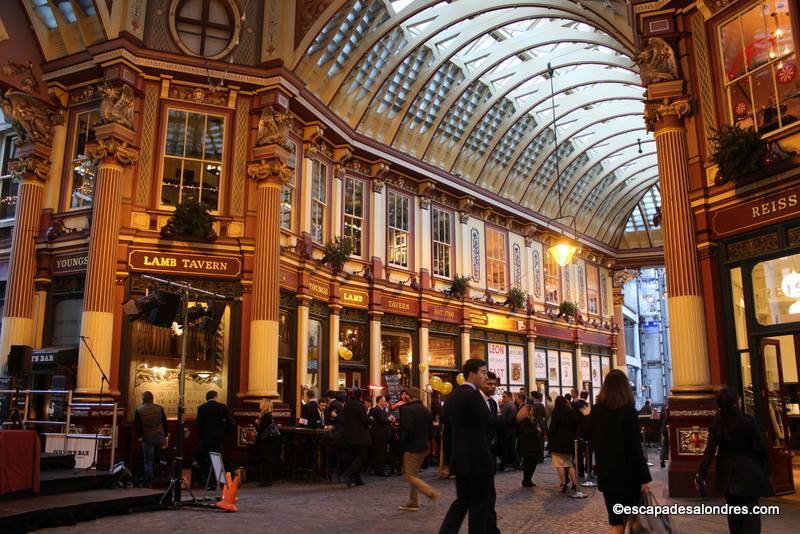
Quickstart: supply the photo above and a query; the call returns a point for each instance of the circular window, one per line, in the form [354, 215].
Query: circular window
[206, 28]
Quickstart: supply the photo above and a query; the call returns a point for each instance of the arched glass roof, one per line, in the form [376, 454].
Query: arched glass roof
[464, 85]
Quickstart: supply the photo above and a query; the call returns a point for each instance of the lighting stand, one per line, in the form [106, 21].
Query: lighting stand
[172, 495]
[103, 380]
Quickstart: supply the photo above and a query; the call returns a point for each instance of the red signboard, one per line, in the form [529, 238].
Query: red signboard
[762, 211]
[185, 264]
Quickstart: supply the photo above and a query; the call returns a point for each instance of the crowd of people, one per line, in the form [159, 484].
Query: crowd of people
[480, 436]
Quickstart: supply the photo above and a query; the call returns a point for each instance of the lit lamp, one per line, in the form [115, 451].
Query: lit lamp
[564, 249]
[563, 252]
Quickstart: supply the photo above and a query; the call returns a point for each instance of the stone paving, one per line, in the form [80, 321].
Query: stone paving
[328, 507]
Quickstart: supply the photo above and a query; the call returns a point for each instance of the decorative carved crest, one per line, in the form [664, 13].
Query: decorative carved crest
[117, 105]
[464, 207]
[656, 62]
[273, 127]
[622, 277]
[28, 81]
[341, 158]
[32, 120]
[198, 95]
[112, 148]
[379, 172]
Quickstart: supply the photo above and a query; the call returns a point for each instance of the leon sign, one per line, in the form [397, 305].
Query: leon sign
[188, 264]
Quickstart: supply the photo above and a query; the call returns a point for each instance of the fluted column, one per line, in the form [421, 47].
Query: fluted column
[270, 173]
[301, 360]
[687, 329]
[333, 347]
[424, 356]
[464, 339]
[618, 281]
[531, 385]
[31, 170]
[375, 349]
[112, 154]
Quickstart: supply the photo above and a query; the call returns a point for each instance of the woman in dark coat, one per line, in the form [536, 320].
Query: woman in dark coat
[741, 454]
[563, 431]
[614, 432]
[530, 435]
[266, 443]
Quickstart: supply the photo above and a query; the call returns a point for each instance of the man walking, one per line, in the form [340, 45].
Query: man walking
[151, 426]
[471, 461]
[416, 429]
[214, 424]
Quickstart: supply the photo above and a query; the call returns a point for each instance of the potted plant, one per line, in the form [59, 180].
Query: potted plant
[738, 152]
[459, 288]
[337, 252]
[567, 309]
[190, 219]
[516, 298]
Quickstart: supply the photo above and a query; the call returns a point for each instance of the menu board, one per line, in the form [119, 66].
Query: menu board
[586, 374]
[497, 361]
[553, 376]
[516, 364]
[540, 364]
[393, 387]
[566, 369]
[596, 372]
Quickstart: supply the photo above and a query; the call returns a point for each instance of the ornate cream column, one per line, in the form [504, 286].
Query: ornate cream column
[333, 346]
[270, 173]
[301, 360]
[112, 154]
[618, 281]
[531, 385]
[424, 356]
[687, 313]
[33, 123]
[374, 348]
[464, 340]
[690, 404]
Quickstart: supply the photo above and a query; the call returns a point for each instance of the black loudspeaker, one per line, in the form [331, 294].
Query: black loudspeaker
[20, 360]
[59, 382]
[211, 321]
[168, 307]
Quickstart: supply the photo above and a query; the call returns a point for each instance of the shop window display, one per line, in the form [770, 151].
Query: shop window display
[776, 290]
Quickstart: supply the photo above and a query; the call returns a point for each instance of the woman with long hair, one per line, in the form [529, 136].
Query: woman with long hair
[614, 432]
[267, 440]
[737, 443]
[563, 431]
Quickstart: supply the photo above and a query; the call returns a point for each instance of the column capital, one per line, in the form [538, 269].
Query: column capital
[113, 146]
[32, 165]
[670, 111]
[270, 171]
[622, 277]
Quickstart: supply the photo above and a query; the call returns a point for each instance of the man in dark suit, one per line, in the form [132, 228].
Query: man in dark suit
[471, 461]
[214, 424]
[380, 432]
[487, 392]
[356, 437]
[309, 413]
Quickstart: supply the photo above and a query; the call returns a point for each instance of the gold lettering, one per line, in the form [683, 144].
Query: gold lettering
[782, 203]
[756, 212]
[792, 200]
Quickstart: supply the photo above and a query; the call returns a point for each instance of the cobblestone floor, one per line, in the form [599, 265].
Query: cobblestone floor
[320, 508]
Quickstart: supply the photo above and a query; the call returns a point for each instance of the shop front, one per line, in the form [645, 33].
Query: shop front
[354, 339]
[501, 342]
[443, 359]
[399, 353]
[151, 341]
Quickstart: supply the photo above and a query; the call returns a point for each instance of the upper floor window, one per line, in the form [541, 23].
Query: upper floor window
[208, 28]
[592, 289]
[760, 68]
[319, 200]
[551, 280]
[398, 217]
[8, 186]
[354, 213]
[496, 259]
[193, 158]
[83, 170]
[288, 190]
[441, 228]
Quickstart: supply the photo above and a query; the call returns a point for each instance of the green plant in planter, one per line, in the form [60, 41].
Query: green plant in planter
[516, 298]
[568, 309]
[738, 152]
[337, 252]
[190, 219]
[459, 288]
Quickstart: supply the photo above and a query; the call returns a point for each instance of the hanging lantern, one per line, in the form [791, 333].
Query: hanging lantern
[563, 252]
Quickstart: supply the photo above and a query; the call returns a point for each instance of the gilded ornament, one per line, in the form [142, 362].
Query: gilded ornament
[273, 127]
[32, 120]
[117, 105]
[622, 277]
[110, 148]
[30, 165]
[655, 111]
[656, 62]
[266, 168]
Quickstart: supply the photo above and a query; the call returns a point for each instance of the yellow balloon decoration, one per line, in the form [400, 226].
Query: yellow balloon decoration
[422, 367]
[436, 383]
[345, 353]
[447, 388]
[460, 379]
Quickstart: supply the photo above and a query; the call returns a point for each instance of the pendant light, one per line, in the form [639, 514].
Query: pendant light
[564, 249]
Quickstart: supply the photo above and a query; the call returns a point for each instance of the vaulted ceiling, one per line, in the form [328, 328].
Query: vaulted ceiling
[465, 85]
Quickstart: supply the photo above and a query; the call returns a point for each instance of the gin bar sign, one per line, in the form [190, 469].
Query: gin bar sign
[185, 264]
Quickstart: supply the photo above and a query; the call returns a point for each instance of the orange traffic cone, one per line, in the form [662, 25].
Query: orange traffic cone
[228, 502]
